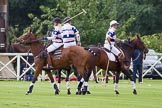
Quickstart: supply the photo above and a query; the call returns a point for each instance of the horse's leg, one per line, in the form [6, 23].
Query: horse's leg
[82, 72]
[116, 81]
[52, 81]
[85, 84]
[89, 73]
[80, 83]
[38, 70]
[106, 77]
[127, 73]
[86, 78]
[67, 81]
[76, 74]
[59, 78]
[94, 74]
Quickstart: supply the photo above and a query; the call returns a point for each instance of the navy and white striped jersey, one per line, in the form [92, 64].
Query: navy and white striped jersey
[56, 35]
[69, 32]
[112, 35]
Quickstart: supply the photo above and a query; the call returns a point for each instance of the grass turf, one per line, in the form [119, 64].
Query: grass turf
[12, 95]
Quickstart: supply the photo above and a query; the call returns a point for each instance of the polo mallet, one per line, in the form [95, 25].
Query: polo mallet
[83, 11]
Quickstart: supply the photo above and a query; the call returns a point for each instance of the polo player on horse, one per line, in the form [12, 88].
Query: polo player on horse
[56, 38]
[111, 39]
[69, 33]
[71, 37]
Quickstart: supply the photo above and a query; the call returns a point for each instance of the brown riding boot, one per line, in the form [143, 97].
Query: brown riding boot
[120, 58]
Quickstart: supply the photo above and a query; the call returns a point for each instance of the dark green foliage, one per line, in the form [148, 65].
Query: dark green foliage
[135, 16]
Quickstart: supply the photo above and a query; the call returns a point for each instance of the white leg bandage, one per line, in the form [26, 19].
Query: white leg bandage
[59, 85]
[85, 83]
[133, 85]
[68, 85]
[115, 86]
[53, 84]
[31, 84]
[82, 80]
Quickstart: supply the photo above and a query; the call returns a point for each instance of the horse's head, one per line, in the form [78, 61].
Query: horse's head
[139, 44]
[26, 38]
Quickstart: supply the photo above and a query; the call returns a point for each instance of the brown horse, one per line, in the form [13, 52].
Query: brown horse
[21, 48]
[96, 57]
[128, 48]
[73, 55]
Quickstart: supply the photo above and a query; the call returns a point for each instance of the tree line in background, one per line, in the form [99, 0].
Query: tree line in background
[142, 17]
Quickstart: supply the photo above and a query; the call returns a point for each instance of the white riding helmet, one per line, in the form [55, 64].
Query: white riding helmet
[113, 22]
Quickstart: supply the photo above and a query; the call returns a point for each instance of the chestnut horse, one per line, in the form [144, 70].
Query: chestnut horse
[21, 48]
[96, 57]
[73, 55]
[128, 48]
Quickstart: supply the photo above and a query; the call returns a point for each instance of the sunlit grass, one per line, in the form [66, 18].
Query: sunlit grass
[12, 95]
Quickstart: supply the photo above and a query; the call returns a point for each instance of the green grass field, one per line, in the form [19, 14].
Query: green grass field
[12, 95]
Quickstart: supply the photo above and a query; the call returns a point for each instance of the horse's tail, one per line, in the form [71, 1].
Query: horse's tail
[91, 51]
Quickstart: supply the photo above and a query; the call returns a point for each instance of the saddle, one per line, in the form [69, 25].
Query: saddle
[53, 55]
[57, 53]
[112, 56]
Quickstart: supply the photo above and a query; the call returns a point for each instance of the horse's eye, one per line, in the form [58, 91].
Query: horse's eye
[26, 36]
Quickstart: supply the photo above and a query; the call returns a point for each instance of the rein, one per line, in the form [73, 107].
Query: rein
[33, 41]
[136, 57]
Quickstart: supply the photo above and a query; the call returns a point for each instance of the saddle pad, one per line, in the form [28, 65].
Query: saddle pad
[111, 56]
[57, 54]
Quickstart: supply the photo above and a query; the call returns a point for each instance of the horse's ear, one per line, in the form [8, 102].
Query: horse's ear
[30, 30]
[138, 37]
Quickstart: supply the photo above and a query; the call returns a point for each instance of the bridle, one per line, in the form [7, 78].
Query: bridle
[28, 36]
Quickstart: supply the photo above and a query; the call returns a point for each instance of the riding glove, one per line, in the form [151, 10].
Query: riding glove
[44, 38]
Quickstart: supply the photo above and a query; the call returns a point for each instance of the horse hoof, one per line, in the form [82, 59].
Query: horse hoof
[88, 92]
[68, 92]
[76, 93]
[116, 92]
[79, 93]
[134, 92]
[30, 89]
[57, 92]
[27, 93]
[84, 92]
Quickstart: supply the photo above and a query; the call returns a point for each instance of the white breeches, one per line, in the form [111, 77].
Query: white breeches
[66, 45]
[53, 47]
[113, 50]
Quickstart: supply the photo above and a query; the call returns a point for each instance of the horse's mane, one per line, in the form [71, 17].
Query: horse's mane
[126, 43]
